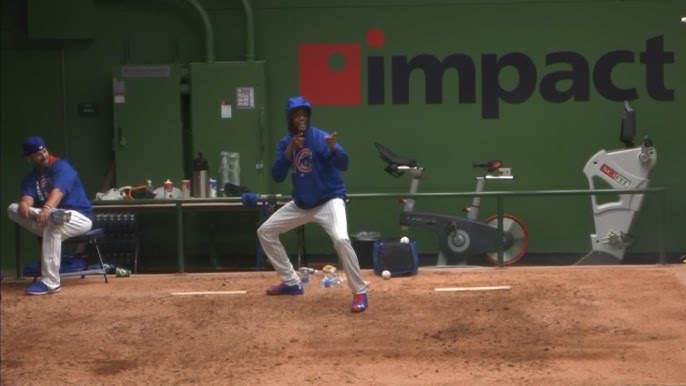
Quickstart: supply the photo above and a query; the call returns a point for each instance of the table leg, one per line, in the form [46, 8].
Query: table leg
[302, 256]
[17, 249]
[214, 261]
[259, 253]
[179, 236]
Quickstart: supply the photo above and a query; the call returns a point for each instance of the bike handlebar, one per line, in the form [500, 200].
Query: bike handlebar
[396, 163]
[490, 166]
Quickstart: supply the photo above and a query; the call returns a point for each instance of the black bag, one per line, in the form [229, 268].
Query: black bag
[232, 190]
[396, 257]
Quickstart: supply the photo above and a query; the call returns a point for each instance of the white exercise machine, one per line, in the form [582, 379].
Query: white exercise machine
[627, 168]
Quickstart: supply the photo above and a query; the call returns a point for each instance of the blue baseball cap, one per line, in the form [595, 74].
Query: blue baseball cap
[32, 145]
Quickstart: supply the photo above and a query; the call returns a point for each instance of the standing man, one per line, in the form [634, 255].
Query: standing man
[319, 196]
[53, 183]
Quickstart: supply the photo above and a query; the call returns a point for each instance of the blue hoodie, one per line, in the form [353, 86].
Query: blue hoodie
[316, 169]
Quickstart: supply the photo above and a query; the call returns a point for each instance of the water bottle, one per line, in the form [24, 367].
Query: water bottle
[213, 188]
[168, 188]
[330, 281]
[150, 190]
[223, 171]
[307, 270]
[304, 275]
[304, 278]
[235, 168]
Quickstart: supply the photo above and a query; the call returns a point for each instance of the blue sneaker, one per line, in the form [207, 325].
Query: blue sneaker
[283, 289]
[39, 288]
[359, 303]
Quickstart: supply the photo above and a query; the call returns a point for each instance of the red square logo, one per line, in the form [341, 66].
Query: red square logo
[323, 85]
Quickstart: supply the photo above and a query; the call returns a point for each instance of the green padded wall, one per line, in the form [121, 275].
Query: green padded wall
[23, 114]
[60, 19]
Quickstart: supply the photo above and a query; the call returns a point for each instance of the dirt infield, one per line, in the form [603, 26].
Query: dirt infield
[564, 326]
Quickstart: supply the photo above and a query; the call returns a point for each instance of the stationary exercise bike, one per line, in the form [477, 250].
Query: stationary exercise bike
[461, 237]
[627, 168]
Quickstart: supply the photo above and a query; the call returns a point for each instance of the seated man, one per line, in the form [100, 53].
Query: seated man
[54, 206]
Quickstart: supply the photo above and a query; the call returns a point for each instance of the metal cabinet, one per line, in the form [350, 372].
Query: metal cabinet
[148, 138]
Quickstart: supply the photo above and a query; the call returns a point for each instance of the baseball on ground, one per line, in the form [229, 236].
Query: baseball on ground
[404, 240]
[386, 274]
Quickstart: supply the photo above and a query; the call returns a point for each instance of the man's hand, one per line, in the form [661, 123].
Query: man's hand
[24, 209]
[331, 141]
[295, 144]
[44, 216]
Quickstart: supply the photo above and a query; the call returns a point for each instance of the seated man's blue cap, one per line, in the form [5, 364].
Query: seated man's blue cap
[33, 144]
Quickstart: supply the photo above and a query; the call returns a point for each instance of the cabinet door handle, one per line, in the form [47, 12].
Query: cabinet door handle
[122, 139]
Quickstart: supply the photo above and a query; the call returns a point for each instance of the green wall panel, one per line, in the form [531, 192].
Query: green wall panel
[227, 114]
[60, 19]
[546, 144]
[31, 105]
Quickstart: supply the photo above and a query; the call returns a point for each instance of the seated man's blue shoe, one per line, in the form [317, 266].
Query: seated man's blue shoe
[359, 303]
[283, 289]
[39, 288]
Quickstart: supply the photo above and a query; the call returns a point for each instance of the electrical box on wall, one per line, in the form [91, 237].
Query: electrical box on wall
[148, 136]
[227, 115]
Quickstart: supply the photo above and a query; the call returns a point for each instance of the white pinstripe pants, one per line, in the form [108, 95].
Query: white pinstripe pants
[332, 217]
[53, 235]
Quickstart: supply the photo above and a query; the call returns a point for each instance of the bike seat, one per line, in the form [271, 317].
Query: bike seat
[393, 159]
[490, 166]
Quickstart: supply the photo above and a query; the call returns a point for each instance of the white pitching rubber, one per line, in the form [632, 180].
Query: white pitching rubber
[209, 293]
[457, 289]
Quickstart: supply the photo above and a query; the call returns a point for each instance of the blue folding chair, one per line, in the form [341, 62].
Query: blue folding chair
[91, 237]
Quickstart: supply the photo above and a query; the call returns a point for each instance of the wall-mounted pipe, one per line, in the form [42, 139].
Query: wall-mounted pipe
[250, 32]
[209, 33]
